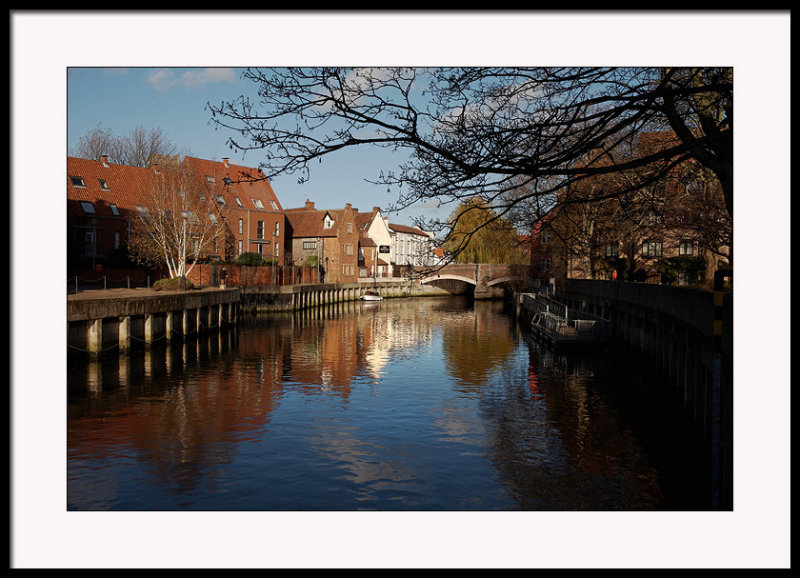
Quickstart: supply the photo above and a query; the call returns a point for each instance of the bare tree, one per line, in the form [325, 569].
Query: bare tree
[97, 142]
[178, 222]
[485, 132]
[140, 148]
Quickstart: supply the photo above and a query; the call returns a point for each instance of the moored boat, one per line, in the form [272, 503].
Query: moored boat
[371, 296]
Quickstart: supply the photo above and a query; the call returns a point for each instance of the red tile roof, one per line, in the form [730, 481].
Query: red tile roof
[127, 186]
[230, 181]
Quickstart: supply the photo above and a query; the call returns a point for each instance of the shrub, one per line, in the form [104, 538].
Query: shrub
[249, 259]
[174, 284]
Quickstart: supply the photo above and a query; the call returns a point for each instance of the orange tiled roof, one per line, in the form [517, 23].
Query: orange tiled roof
[311, 222]
[126, 186]
[231, 181]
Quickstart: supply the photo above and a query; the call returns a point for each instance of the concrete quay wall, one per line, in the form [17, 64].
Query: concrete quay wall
[684, 334]
[100, 321]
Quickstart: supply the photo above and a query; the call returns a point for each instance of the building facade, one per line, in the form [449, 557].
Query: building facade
[328, 238]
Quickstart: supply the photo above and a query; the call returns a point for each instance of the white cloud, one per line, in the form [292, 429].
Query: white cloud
[166, 78]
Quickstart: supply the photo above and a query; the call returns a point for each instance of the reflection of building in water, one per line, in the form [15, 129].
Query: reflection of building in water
[180, 409]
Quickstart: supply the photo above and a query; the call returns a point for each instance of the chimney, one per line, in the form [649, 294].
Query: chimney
[104, 160]
[225, 162]
[309, 204]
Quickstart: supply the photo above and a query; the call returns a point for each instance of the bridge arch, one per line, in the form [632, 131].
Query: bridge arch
[500, 280]
[445, 277]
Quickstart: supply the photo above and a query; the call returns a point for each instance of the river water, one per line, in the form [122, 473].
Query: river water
[407, 404]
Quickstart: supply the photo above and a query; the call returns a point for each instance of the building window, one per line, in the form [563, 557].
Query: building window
[116, 239]
[239, 247]
[309, 245]
[114, 209]
[686, 248]
[241, 226]
[274, 205]
[348, 249]
[258, 204]
[546, 238]
[651, 248]
[238, 201]
[612, 250]
[328, 222]
[77, 182]
[213, 218]
[210, 179]
[260, 249]
[545, 264]
[277, 229]
[349, 227]
[103, 184]
[260, 230]
[88, 208]
[143, 211]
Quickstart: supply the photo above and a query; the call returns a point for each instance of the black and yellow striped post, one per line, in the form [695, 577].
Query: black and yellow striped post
[716, 438]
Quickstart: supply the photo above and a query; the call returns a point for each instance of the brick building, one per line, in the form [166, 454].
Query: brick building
[675, 230]
[255, 218]
[104, 200]
[326, 237]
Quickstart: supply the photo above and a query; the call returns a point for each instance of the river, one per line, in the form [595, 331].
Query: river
[438, 404]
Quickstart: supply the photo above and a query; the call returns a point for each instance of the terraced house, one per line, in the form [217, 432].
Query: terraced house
[673, 230]
[374, 245]
[255, 218]
[327, 238]
[104, 201]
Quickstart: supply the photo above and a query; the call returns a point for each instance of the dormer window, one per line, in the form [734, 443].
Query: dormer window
[328, 222]
[103, 184]
[274, 205]
[210, 179]
[77, 182]
[220, 199]
[258, 203]
[227, 180]
[114, 209]
[143, 212]
[88, 208]
[238, 201]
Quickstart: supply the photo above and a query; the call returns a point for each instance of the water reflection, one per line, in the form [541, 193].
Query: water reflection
[406, 404]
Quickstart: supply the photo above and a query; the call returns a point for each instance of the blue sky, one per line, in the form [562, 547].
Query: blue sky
[174, 99]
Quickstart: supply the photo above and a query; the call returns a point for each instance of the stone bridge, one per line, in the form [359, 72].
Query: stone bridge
[488, 280]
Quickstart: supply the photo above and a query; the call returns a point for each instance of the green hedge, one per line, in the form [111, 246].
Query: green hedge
[174, 284]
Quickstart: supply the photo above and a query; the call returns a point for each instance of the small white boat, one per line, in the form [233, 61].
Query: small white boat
[371, 296]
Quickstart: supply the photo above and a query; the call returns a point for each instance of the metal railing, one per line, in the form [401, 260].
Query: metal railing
[77, 284]
[563, 321]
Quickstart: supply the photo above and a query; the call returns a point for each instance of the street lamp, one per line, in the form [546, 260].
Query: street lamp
[185, 216]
